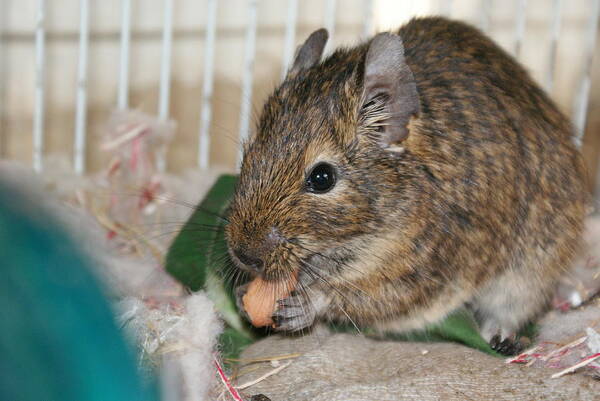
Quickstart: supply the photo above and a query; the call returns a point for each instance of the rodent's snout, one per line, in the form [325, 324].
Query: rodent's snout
[251, 254]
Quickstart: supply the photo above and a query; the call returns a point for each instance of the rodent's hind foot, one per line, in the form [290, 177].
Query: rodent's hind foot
[293, 314]
[508, 346]
[502, 338]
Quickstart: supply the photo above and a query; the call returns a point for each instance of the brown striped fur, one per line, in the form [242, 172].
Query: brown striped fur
[484, 206]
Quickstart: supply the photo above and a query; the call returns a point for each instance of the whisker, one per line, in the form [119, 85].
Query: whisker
[179, 223]
[317, 275]
[168, 199]
[336, 261]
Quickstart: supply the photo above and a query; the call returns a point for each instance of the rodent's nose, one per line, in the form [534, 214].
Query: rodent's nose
[252, 252]
[251, 262]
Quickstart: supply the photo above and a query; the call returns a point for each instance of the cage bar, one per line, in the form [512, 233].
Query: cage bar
[445, 8]
[329, 23]
[123, 88]
[3, 132]
[582, 99]
[368, 24]
[81, 106]
[165, 61]
[165, 75]
[554, 34]
[247, 75]
[40, 70]
[520, 22]
[486, 7]
[207, 88]
[290, 36]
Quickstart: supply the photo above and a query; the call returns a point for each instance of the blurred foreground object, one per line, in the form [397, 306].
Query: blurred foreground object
[58, 337]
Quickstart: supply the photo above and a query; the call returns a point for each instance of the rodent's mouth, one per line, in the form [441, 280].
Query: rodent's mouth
[310, 265]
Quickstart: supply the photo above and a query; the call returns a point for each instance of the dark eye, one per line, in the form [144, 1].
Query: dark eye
[321, 179]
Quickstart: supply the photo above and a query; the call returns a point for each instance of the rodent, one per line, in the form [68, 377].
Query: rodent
[403, 178]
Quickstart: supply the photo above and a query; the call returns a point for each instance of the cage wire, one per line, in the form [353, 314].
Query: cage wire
[373, 12]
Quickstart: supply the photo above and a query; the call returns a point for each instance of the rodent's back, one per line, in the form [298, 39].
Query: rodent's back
[499, 149]
[454, 60]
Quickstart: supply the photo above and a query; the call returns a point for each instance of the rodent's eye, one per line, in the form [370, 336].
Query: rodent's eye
[321, 179]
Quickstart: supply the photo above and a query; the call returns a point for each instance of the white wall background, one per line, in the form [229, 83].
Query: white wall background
[17, 63]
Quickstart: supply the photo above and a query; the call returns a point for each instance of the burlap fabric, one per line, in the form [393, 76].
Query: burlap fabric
[348, 367]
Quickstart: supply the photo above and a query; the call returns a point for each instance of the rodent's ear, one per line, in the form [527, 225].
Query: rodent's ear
[311, 51]
[389, 97]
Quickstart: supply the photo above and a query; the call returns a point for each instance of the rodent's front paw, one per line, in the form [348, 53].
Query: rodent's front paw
[239, 300]
[293, 313]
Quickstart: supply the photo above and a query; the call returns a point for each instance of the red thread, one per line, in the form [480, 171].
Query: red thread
[596, 355]
[225, 380]
[135, 153]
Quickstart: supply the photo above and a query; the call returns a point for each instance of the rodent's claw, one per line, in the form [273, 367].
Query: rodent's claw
[293, 314]
[507, 347]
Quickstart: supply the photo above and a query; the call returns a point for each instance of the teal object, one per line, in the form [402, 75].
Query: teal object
[58, 336]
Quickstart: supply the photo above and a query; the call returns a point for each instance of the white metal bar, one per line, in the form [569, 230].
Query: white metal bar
[486, 6]
[122, 99]
[412, 9]
[165, 61]
[207, 88]
[582, 98]
[290, 36]
[446, 8]
[3, 134]
[554, 35]
[248, 74]
[80, 116]
[330, 8]
[597, 191]
[369, 19]
[165, 75]
[520, 22]
[40, 70]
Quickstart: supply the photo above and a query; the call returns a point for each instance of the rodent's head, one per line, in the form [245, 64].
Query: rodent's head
[326, 157]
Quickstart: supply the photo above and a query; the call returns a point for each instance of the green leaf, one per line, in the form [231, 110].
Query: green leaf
[200, 245]
[224, 301]
[232, 343]
[197, 257]
[459, 326]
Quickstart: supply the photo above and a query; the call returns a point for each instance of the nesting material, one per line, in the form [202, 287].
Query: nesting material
[582, 282]
[197, 336]
[175, 336]
[341, 367]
